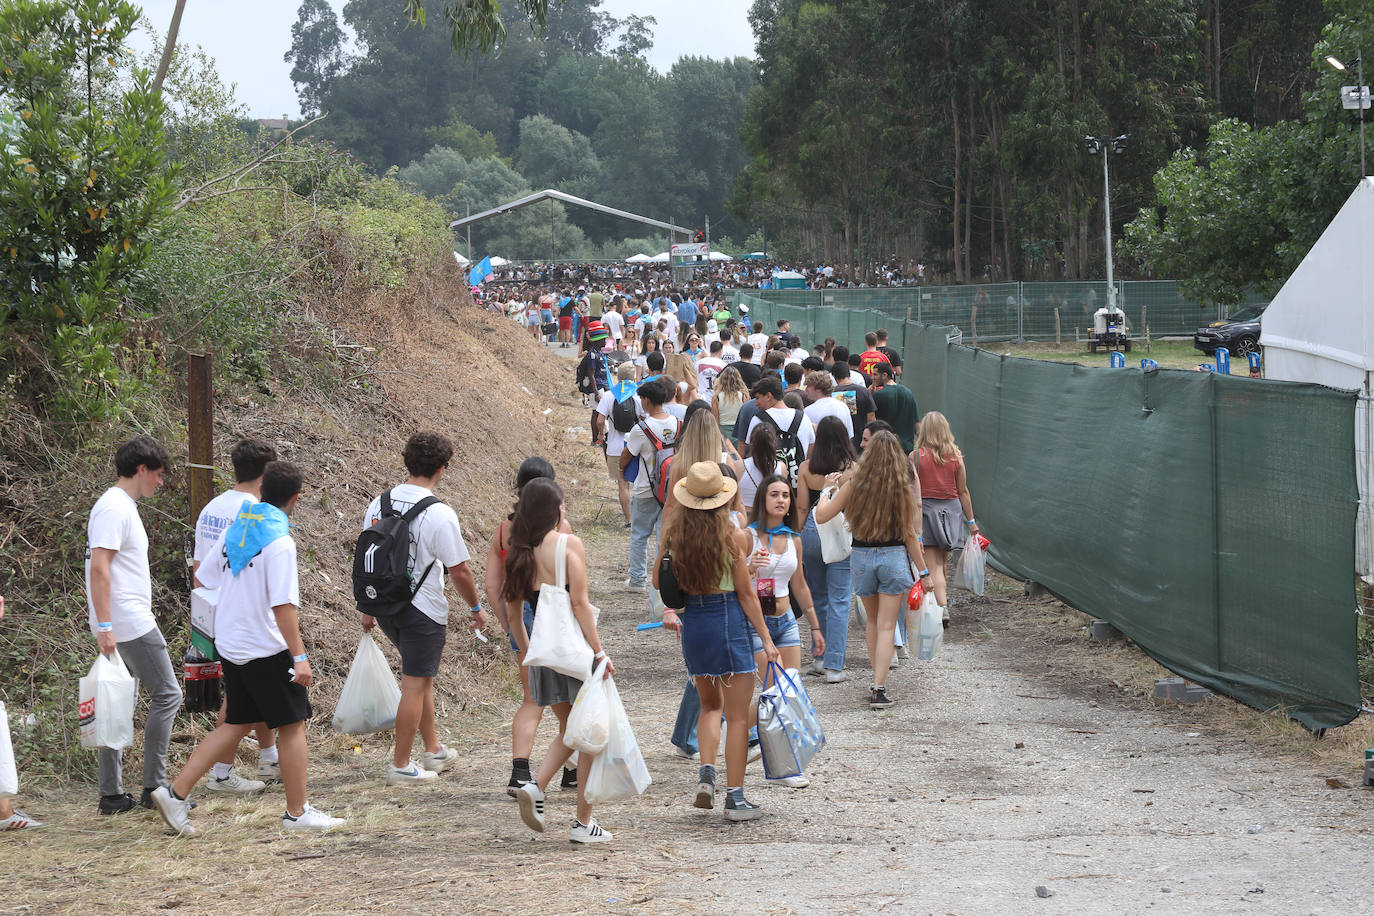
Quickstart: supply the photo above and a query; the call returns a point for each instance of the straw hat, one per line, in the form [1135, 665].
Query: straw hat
[704, 487]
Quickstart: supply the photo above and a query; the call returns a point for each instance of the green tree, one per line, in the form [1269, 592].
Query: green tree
[316, 54]
[84, 181]
[551, 156]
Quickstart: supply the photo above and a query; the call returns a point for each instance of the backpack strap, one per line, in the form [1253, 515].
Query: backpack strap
[795, 427]
[560, 561]
[409, 517]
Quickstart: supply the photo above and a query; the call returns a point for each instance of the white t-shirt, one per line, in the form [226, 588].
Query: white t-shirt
[245, 626]
[758, 342]
[672, 323]
[114, 524]
[435, 537]
[728, 354]
[708, 367]
[783, 416]
[615, 324]
[218, 514]
[750, 478]
[615, 439]
[829, 407]
[638, 444]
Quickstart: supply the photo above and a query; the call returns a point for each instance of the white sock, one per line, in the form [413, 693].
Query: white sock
[268, 755]
[222, 770]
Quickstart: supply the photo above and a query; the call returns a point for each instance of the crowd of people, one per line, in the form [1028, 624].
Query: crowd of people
[744, 273]
[735, 443]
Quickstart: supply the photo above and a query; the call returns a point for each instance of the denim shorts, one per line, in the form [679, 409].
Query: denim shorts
[880, 571]
[528, 617]
[782, 629]
[717, 639]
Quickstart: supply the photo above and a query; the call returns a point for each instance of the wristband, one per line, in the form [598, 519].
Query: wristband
[476, 609]
[105, 626]
[300, 658]
[924, 573]
[970, 522]
[598, 656]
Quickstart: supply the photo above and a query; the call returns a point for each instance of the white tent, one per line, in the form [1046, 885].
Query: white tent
[498, 262]
[661, 258]
[462, 261]
[720, 256]
[637, 259]
[1320, 328]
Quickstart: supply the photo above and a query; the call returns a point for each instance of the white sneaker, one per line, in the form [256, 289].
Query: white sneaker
[437, 763]
[903, 652]
[174, 810]
[531, 800]
[311, 818]
[269, 772]
[836, 677]
[412, 772]
[20, 821]
[634, 586]
[755, 752]
[589, 833]
[234, 784]
[794, 782]
[895, 663]
[817, 667]
[679, 752]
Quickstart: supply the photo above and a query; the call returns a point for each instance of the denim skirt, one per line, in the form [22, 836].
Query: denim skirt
[717, 639]
[880, 570]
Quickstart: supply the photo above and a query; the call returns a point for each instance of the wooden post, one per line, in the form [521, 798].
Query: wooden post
[973, 321]
[200, 430]
[1056, 326]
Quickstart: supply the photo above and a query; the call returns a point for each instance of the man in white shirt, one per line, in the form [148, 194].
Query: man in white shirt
[604, 431]
[728, 353]
[119, 593]
[819, 386]
[615, 324]
[419, 631]
[258, 637]
[759, 341]
[767, 393]
[708, 367]
[249, 458]
[640, 450]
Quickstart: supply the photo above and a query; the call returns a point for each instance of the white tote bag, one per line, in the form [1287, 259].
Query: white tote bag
[105, 701]
[557, 641]
[9, 773]
[836, 541]
[370, 696]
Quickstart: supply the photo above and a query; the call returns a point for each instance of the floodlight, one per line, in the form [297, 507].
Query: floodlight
[1335, 62]
[1119, 143]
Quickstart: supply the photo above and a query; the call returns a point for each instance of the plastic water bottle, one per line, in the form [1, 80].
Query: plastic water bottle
[203, 682]
[1369, 767]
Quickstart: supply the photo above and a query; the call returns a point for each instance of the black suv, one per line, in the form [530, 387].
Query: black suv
[1240, 333]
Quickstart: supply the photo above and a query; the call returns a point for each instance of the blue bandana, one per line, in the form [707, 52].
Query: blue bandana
[623, 391]
[257, 525]
[776, 529]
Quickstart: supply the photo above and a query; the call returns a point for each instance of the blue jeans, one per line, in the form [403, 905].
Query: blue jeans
[830, 590]
[644, 515]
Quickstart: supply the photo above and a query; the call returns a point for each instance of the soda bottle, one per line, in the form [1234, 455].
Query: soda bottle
[202, 682]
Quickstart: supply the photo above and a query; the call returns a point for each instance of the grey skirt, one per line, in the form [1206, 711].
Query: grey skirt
[942, 524]
[548, 687]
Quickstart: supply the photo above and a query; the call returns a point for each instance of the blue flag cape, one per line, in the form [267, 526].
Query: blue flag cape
[257, 525]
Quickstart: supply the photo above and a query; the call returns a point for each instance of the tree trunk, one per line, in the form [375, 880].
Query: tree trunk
[958, 168]
[169, 47]
[968, 196]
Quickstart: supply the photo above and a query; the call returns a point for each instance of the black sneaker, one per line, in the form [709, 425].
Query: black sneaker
[118, 804]
[878, 699]
[706, 787]
[569, 779]
[738, 808]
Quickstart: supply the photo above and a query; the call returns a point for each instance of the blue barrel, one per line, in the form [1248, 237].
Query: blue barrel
[1118, 359]
[1147, 364]
[1254, 358]
[1223, 361]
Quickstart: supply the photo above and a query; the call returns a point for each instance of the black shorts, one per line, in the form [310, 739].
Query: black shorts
[419, 640]
[262, 691]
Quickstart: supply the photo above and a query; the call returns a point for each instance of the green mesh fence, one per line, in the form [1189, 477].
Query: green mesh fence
[1011, 311]
[1169, 503]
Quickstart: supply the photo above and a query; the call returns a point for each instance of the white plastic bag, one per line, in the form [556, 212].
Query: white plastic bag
[557, 641]
[836, 540]
[931, 635]
[9, 773]
[105, 699]
[589, 723]
[619, 771]
[370, 695]
[969, 574]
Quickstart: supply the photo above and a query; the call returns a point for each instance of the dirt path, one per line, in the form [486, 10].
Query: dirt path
[1003, 767]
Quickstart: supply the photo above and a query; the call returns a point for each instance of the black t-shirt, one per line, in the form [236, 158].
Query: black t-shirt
[566, 310]
[893, 359]
[749, 372]
[860, 405]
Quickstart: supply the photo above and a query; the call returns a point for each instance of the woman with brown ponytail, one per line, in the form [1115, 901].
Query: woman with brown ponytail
[531, 562]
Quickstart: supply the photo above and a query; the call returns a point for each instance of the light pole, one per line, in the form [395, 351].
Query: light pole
[1104, 145]
[1358, 98]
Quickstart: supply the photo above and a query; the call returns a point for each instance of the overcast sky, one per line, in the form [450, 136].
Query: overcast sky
[247, 38]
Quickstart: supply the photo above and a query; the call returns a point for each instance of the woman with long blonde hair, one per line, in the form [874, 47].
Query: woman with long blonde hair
[880, 501]
[727, 398]
[946, 507]
[717, 646]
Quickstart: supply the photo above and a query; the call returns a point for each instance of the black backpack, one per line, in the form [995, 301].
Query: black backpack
[381, 561]
[789, 444]
[623, 414]
[586, 373]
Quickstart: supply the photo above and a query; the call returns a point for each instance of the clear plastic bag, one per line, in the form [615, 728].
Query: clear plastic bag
[589, 723]
[105, 704]
[970, 572]
[9, 773]
[370, 696]
[931, 635]
[619, 771]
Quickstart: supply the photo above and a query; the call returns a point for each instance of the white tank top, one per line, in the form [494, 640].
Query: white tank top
[750, 479]
[780, 566]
